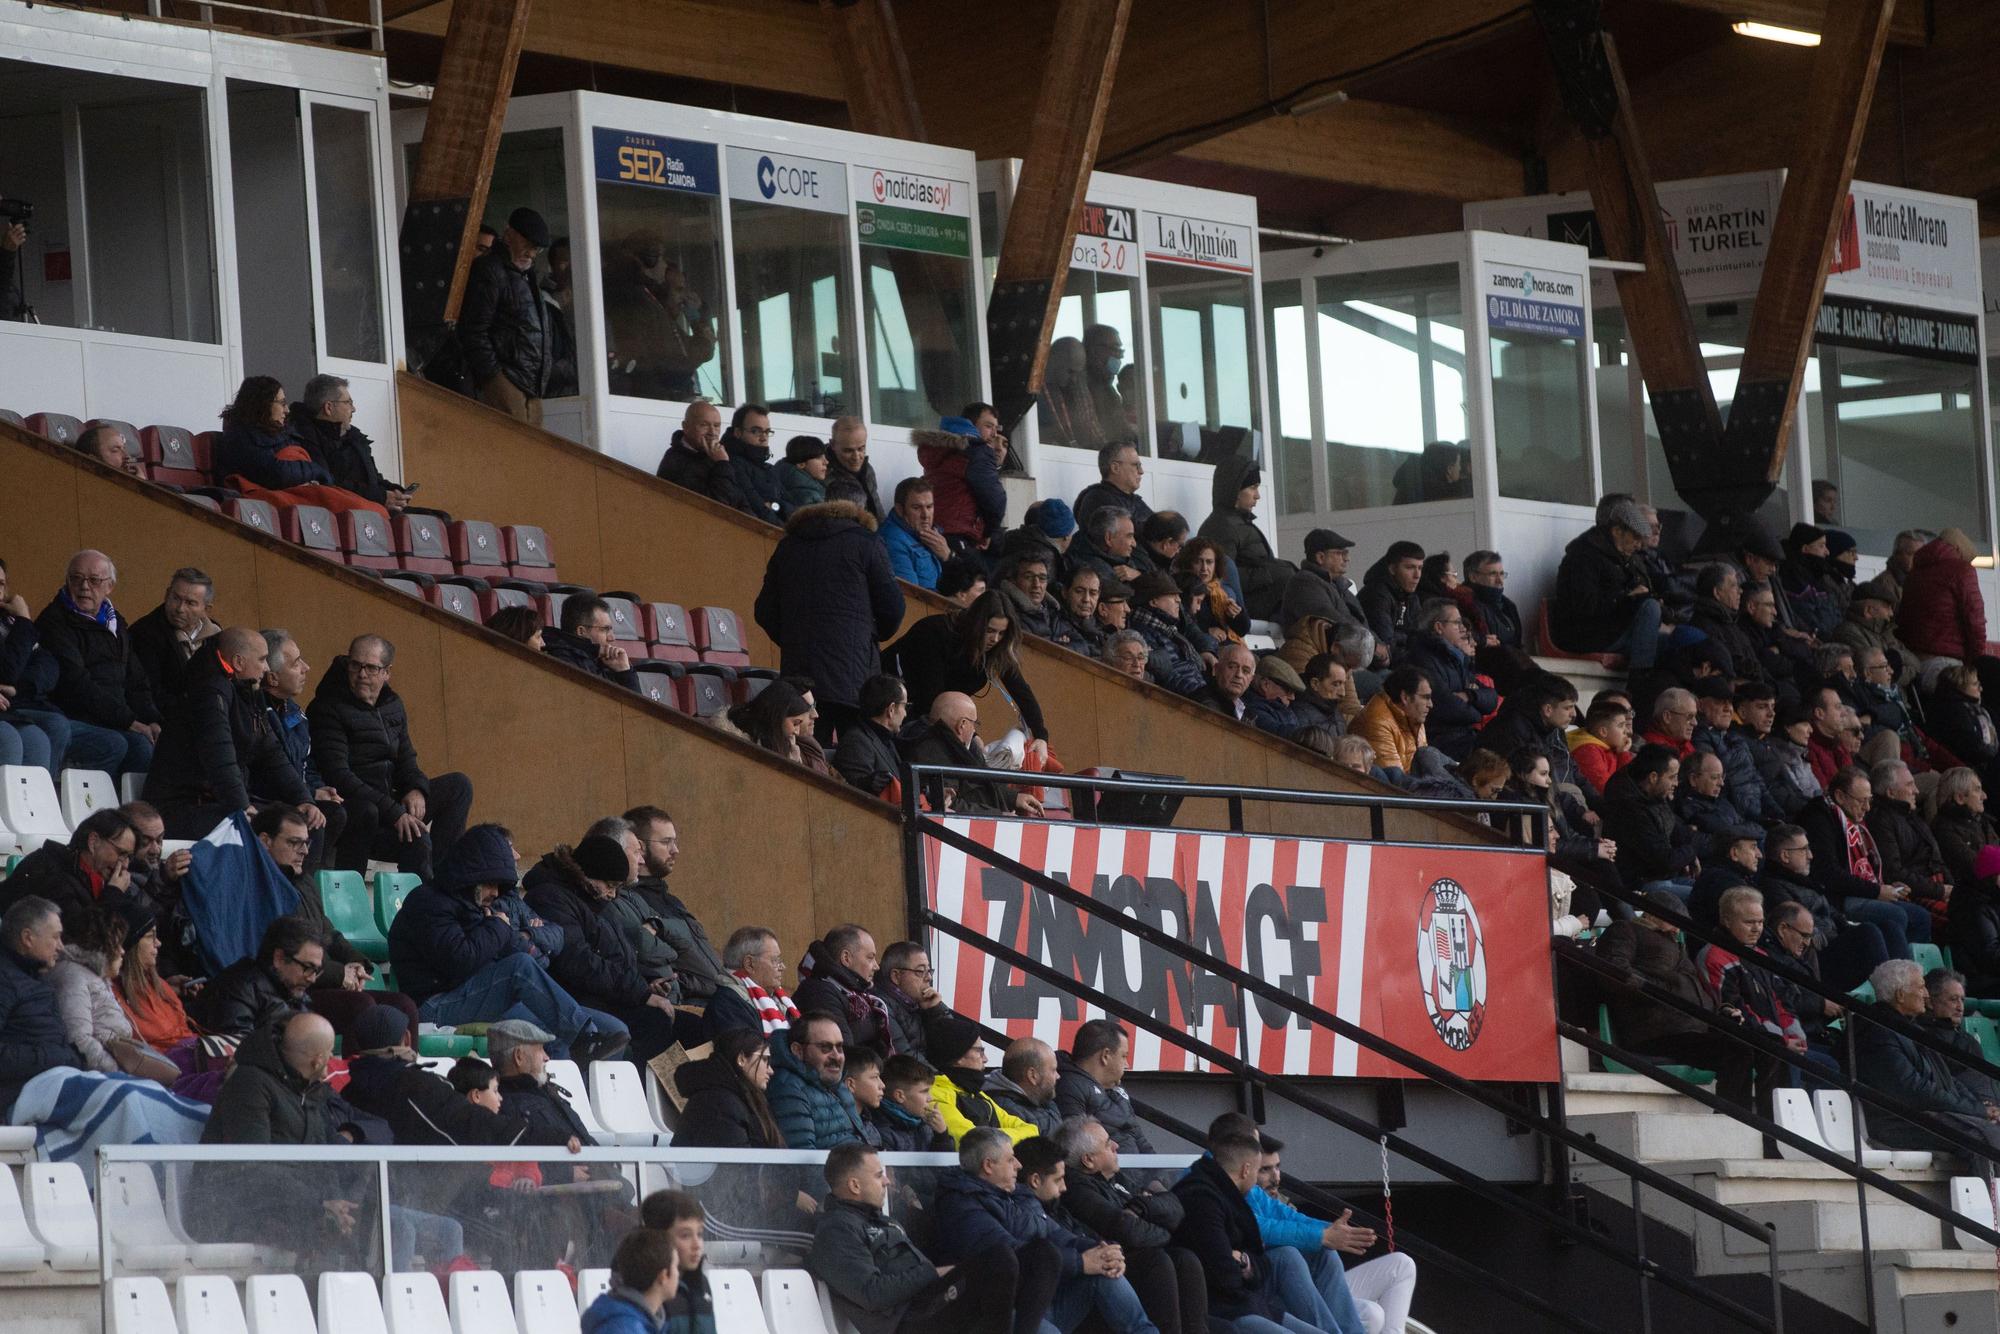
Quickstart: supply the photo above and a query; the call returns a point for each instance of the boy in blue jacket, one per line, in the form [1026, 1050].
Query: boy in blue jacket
[646, 1275]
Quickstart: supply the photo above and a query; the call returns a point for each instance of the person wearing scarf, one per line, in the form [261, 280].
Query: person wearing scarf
[1847, 866]
[100, 685]
[959, 1090]
[752, 994]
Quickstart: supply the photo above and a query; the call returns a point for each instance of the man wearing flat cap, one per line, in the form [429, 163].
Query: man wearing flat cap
[504, 325]
[1321, 587]
[1268, 703]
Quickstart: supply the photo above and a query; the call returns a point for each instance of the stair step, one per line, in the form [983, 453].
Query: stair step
[1916, 1272]
[1826, 1225]
[1670, 1137]
[1587, 1093]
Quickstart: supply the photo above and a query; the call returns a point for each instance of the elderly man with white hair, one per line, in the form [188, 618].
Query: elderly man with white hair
[100, 685]
[1898, 1066]
[1910, 852]
[1604, 601]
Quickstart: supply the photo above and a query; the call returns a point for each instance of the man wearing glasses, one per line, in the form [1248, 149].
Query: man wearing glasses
[905, 987]
[809, 1102]
[100, 685]
[748, 441]
[324, 423]
[361, 742]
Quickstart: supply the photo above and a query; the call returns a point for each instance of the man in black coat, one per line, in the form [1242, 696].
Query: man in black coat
[32, 1035]
[748, 443]
[323, 421]
[268, 986]
[596, 964]
[586, 640]
[1847, 866]
[1321, 587]
[1389, 597]
[867, 755]
[361, 739]
[1655, 847]
[1603, 603]
[829, 600]
[503, 324]
[385, 1080]
[954, 725]
[1218, 1227]
[167, 638]
[1910, 852]
[849, 474]
[218, 747]
[92, 870]
[837, 975]
[698, 963]
[1460, 702]
[910, 1002]
[1898, 1066]
[1718, 607]
[100, 685]
[1119, 470]
[519, 1053]
[1168, 1278]
[696, 459]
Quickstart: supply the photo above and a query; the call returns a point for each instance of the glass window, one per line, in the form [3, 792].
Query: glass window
[1095, 323]
[1539, 438]
[1392, 386]
[917, 302]
[1900, 437]
[344, 197]
[794, 289]
[1285, 336]
[1204, 387]
[660, 225]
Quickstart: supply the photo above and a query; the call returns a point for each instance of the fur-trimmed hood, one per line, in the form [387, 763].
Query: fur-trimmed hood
[815, 520]
[945, 440]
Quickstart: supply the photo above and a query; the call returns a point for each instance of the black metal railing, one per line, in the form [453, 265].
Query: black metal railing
[919, 825]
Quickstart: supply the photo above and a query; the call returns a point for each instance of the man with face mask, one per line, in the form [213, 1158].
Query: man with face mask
[1103, 358]
[503, 324]
[662, 331]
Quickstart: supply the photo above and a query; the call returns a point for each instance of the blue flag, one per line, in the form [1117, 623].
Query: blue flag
[232, 892]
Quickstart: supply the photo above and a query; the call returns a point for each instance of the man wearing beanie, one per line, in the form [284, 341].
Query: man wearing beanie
[959, 1090]
[503, 324]
[1232, 526]
[596, 964]
[1119, 471]
[385, 1080]
[1807, 583]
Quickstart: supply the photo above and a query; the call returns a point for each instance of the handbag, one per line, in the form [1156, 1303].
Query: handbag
[136, 1058]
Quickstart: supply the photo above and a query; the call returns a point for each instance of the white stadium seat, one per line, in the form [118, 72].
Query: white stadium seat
[1970, 1197]
[543, 1302]
[1792, 1109]
[414, 1304]
[349, 1304]
[141, 1306]
[130, 786]
[590, 1285]
[1836, 1125]
[479, 1303]
[738, 1310]
[791, 1303]
[620, 1102]
[58, 1207]
[20, 1248]
[85, 791]
[16, 1139]
[141, 1237]
[278, 1305]
[211, 1304]
[573, 1083]
[28, 806]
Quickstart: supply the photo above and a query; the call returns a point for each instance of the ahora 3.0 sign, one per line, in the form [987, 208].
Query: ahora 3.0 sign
[1443, 951]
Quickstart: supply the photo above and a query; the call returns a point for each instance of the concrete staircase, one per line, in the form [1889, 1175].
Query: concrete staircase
[1924, 1284]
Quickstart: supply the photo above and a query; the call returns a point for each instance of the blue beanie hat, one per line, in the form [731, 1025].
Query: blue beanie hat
[1053, 517]
[958, 426]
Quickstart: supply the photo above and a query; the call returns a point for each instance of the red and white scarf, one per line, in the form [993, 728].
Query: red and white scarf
[776, 1011]
[1862, 858]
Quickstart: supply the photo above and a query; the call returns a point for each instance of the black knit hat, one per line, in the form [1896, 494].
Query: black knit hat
[950, 1037]
[601, 858]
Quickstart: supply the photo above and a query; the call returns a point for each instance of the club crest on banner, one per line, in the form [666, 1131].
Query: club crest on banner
[1451, 963]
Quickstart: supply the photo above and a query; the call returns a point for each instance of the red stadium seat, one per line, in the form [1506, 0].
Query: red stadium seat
[204, 449]
[313, 528]
[528, 553]
[404, 583]
[550, 606]
[656, 682]
[627, 628]
[259, 514]
[364, 536]
[57, 426]
[493, 599]
[719, 635]
[456, 598]
[476, 549]
[421, 543]
[170, 456]
[669, 632]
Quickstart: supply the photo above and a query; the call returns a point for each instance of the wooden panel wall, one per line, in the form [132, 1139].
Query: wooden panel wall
[547, 751]
[614, 526]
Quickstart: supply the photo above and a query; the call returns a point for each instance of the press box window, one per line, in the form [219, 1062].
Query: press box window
[917, 299]
[1204, 390]
[1088, 401]
[794, 294]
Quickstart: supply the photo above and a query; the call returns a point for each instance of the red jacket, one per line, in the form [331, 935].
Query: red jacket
[1942, 614]
[1826, 759]
[965, 485]
[1683, 750]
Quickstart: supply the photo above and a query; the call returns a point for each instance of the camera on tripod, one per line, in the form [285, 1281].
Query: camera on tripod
[16, 210]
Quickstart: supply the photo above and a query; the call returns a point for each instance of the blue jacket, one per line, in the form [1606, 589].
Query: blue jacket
[1454, 721]
[242, 452]
[288, 720]
[32, 1036]
[909, 558]
[1279, 1224]
[1271, 716]
[618, 1312]
[809, 1114]
[971, 1216]
[1742, 782]
[441, 937]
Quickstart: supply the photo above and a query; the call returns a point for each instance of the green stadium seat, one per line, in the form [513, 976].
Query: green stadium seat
[1692, 1074]
[1928, 956]
[391, 888]
[450, 1044]
[1864, 994]
[1988, 1034]
[345, 896]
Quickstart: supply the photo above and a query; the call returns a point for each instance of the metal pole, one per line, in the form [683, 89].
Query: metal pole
[1645, 1265]
[916, 901]
[388, 1243]
[1777, 1289]
[1236, 815]
[1860, 1182]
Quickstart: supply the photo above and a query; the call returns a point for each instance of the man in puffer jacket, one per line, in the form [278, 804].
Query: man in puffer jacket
[218, 746]
[503, 325]
[748, 441]
[965, 482]
[959, 1092]
[1232, 526]
[1459, 700]
[648, 1278]
[1942, 614]
[567, 888]
[829, 600]
[810, 1103]
[1088, 1078]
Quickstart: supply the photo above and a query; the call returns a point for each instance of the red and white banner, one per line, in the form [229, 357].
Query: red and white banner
[1442, 951]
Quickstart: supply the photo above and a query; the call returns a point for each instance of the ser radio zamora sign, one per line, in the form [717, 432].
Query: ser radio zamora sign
[1442, 951]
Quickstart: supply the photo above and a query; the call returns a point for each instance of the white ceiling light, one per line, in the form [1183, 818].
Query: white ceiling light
[1775, 32]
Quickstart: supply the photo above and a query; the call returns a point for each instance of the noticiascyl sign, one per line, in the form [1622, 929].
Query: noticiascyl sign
[1533, 301]
[905, 210]
[1199, 243]
[1442, 951]
[758, 177]
[657, 162]
[1106, 241]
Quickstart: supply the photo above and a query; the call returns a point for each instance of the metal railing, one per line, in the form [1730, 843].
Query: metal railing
[919, 825]
[314, 23]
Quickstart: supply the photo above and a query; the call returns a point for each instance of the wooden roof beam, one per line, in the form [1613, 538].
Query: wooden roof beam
[1378, 146]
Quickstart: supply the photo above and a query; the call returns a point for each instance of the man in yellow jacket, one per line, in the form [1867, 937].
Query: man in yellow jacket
[956, 1050]
[1393, 722]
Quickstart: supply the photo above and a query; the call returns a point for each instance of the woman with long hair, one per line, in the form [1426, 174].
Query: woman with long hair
[775, 720]
[523, 625]
[1209, 603]
[968, 651]
[158, 1017]
[260, 456]
[726, 1108]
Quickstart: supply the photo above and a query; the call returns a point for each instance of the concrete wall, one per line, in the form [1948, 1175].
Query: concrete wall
[548, 750]
[614, 527]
